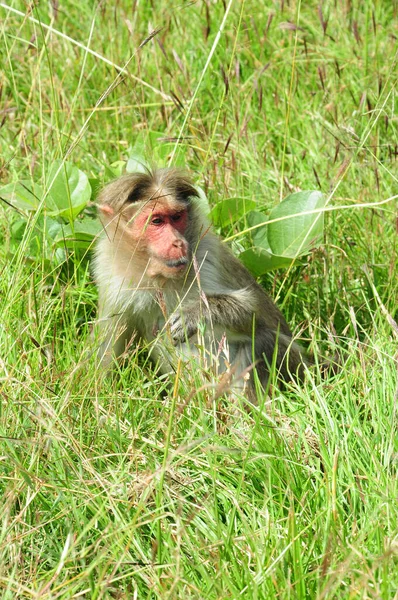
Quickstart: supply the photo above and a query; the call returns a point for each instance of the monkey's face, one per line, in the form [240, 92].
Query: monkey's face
[159, 232]
[148, 222]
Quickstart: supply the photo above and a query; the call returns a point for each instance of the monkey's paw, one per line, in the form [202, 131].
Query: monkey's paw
[182, 326]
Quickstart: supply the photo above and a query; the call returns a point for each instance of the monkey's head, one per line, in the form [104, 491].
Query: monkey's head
[148, 216]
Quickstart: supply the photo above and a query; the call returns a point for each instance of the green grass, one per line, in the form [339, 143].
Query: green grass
[128, 488]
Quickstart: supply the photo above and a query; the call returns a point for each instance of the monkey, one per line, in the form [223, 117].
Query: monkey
[165, 279]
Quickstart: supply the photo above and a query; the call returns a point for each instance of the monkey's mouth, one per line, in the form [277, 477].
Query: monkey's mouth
[179, 263]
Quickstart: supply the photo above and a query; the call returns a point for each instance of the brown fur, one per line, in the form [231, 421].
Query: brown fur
[140, 296]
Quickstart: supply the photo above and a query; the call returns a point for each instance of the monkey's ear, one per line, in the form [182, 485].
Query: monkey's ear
[106, 210]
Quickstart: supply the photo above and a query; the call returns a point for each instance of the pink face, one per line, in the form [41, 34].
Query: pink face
[162, 229]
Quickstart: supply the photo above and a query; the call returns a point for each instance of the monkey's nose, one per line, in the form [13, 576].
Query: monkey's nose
[181, 245]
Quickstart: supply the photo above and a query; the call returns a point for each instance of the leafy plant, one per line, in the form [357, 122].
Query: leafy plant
[64, 224]
[159, 148]
[61, 222]
[290, 231]
[58, 225]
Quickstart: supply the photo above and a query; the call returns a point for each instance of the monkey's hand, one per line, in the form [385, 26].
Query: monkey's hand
[183, 325]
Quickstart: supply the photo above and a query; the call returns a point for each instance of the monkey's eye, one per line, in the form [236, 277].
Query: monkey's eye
[176, 217]
[157, 221]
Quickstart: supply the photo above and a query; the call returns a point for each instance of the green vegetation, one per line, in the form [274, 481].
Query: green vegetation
[125, 487]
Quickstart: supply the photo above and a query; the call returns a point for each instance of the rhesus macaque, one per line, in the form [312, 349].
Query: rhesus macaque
[165, 278]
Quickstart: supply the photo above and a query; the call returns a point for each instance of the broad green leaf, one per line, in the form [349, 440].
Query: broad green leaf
[142, 147]
[70, 190]
[17, 229]
[153, 147]
[153, 137]
[136, 164]
[180, 155]
[230, 210]
[81, 235]
[33, 249]
[296, 235]
[259, 235]
[44, 226]
[52, 228]
[22, 194]
[164, 150]
[114, 170]
[60, 256]
[260, 261]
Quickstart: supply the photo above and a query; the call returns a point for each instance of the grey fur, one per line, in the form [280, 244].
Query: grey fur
[217, 292]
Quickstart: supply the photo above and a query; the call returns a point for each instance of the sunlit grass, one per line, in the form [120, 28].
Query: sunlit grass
[135, 487]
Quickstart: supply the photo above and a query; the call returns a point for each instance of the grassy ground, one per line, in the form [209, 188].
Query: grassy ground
[111, 489]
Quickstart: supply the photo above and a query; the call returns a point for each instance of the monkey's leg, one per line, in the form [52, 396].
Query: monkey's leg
[268, 349]
[236, 316]
[272, 346]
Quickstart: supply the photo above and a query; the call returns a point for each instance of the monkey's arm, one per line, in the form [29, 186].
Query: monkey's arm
[233, 311]
[233, 300]
[238, 312]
